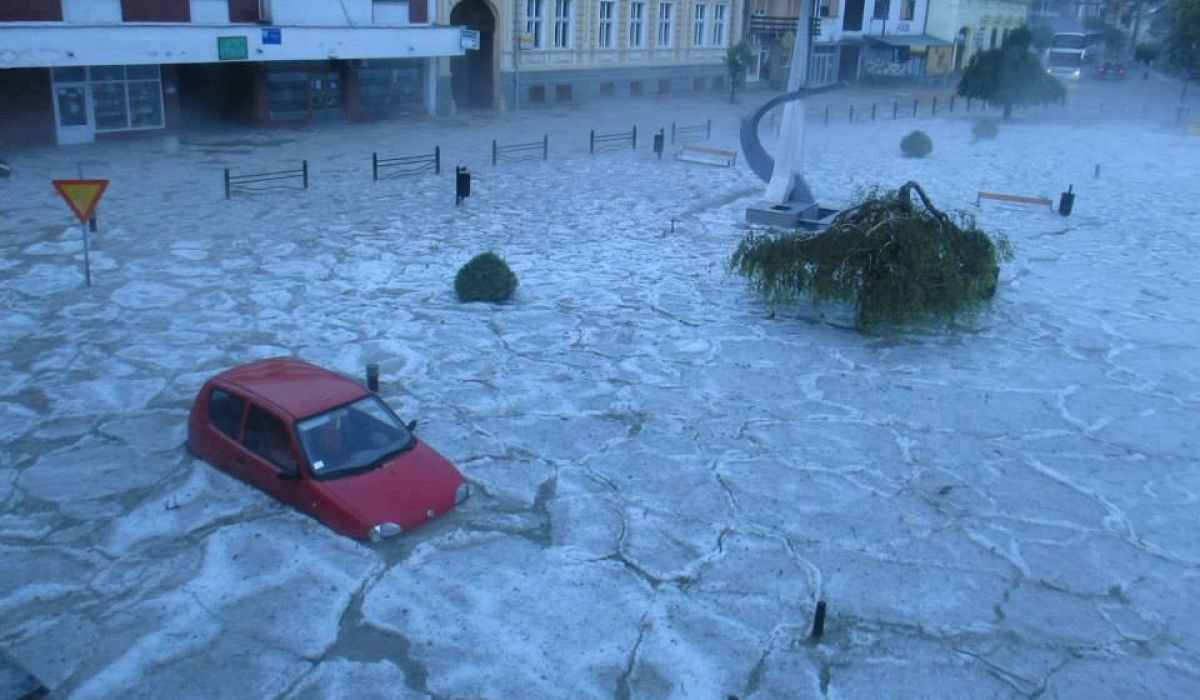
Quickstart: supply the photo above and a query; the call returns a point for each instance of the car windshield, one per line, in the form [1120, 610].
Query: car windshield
[1065, 59]
[352, 437]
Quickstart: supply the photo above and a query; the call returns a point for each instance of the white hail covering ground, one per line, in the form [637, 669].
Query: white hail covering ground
[666, 478]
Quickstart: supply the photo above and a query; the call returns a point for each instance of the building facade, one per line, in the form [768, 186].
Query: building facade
[75, 70]
[859, 40]
[975, 25]
[535, 52]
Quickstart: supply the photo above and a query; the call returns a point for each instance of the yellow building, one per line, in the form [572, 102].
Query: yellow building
[549, 51]
[975, 25]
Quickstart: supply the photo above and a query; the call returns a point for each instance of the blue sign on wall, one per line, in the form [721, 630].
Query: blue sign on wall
[272, 35]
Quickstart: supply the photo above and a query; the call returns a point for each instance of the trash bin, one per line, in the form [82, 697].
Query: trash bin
[462, 184]
[1066, 202]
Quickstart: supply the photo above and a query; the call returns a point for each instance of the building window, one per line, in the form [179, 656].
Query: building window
[127, 98]
[666, 13]
[562, 93]
[718, 25]
[908, 10]
[992, 45]
[827, 8]
[698, 21]
[604, 32]
[533, 23]
[537, 94]
[562, 24]
[881, 9]
[635, 87]
[637, 24]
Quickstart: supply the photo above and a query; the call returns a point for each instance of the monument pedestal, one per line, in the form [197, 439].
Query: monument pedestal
[805, 216]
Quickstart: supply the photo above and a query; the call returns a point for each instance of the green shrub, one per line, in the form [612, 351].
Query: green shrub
[984, 129]
[892, 261]
[485, 278]
[916, 145]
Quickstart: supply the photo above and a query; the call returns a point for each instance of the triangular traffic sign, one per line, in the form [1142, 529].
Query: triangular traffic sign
[81, 195]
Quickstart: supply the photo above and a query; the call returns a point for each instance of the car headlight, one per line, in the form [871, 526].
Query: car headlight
[1075, 74]
[385, 530]
[461, 493]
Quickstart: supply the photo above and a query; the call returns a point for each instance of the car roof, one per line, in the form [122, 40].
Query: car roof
[297, 387]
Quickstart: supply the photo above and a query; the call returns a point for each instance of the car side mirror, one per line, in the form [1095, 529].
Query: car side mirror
[292, 475]
[411, 425]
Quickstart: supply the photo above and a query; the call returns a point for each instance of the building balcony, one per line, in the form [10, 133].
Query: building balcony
[766, 26]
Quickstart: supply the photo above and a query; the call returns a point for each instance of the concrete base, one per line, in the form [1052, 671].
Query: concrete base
[803, 216]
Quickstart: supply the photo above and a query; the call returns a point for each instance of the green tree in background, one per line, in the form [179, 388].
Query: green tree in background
[1010, 76]
[737, 60]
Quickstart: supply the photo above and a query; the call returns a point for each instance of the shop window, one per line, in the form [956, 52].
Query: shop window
[537, 94]
[127, 98]
[562, 93]
[719, 82]
[243, 11]
[635, 87]
[698, 84]
[608, 89]
[664, 86]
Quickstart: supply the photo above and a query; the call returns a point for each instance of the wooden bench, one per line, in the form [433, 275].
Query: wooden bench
[707, 155]
[1012, 198]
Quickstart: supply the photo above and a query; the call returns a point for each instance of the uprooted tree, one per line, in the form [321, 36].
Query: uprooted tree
[1010, 76]
[893, 261]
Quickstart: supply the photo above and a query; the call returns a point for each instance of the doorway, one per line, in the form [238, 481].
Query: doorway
[72, 107]
[471, 76]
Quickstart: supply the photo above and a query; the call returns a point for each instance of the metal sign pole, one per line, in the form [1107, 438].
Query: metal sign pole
[87, 261]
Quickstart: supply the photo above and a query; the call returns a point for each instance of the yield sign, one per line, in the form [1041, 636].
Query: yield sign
[81, 195]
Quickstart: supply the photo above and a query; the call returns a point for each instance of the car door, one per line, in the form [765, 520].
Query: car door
[269, 458]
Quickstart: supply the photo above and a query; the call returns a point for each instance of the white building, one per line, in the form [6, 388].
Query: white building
[72, 70]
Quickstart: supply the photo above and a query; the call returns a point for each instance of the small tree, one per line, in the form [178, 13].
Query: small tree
[737, 61]
[485, 278]
[1114, 39]
[1010, 76]
[894, 261]
[1183, 40]
[916, 144]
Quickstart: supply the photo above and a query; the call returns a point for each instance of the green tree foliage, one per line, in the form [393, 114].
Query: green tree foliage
[485, 278]
[1042, 36]
[1010, 76]
[893, 261]
[1147, 53]
[916, 144]
[737, 60]
[985, 129]
[1183, 41]
[1114, 38]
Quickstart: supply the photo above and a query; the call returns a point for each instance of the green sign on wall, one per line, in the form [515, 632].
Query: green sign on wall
[232, 48]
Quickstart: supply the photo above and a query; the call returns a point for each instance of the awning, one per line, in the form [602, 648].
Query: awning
[909, 40]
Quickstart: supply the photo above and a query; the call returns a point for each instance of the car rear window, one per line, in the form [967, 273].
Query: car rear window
[225, 412]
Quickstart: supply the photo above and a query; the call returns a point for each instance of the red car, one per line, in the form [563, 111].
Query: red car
[1111, 70]
[323, 444]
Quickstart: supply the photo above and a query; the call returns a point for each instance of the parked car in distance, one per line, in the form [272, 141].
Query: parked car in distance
[323, 444]
[1111, 70]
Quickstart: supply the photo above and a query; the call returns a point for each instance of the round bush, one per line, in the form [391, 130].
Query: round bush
[485, 278]
[916, 145]
[984, 129]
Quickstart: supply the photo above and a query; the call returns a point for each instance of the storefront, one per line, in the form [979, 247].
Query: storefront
[106, 99]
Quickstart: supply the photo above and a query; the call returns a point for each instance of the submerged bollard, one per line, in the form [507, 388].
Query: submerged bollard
[1067, 202]
[373, 378]
[818, 627]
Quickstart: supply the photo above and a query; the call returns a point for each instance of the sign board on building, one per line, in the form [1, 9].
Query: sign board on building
[232, 48]
[470, 39]
[272, 35]
[527, 41]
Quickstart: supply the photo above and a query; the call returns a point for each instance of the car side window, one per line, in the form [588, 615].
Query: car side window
[225, 412]
[267, 436]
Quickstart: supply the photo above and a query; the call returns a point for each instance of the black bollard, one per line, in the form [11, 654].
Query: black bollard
[373, 377]
[1067, 202]
[818, 627]
[462, 184]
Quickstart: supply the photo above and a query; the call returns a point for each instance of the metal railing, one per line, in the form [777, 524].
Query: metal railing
[521, 151]
[385, 168]
[241, 183]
